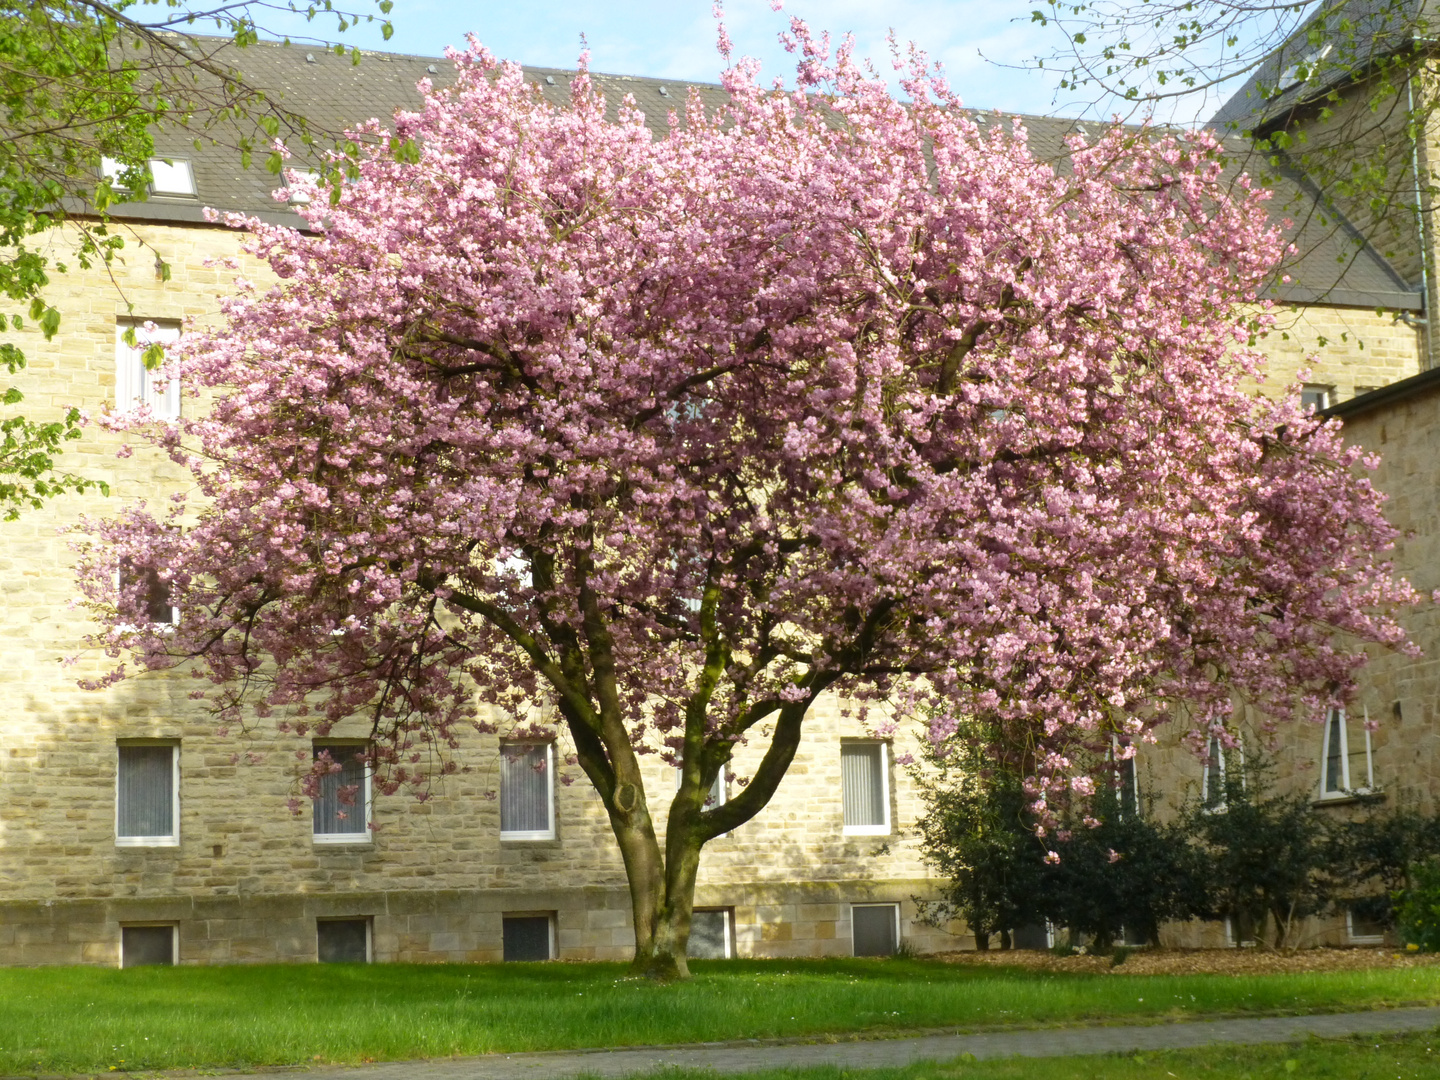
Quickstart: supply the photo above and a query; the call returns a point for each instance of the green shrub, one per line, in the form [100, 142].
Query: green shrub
[1418, 907]
[1267, 854]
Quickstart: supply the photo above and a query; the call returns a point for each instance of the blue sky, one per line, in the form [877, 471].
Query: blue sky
[676, 39]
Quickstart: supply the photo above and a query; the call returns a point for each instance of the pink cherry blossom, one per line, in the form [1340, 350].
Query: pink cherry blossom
[662, 438]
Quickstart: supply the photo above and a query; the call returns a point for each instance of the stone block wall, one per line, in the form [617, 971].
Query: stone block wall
[1401, 693]
[1350, 350]
[246, 881]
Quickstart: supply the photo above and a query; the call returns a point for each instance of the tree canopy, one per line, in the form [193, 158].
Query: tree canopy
[820, 392]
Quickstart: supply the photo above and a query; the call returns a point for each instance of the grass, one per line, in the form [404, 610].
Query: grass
[1408, 1057]
[72, 1020]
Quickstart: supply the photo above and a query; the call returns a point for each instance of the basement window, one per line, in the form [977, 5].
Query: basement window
[528, 937]
[149, 945]
[712, 934]
[875, 929]
[342, 941]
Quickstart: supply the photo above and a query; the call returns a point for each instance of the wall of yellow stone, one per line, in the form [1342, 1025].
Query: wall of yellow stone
[1400, 693]
[246, 881]
[1350, 350]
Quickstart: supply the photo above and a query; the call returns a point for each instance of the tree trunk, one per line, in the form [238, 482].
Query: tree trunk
[982, 942]
[661, 894]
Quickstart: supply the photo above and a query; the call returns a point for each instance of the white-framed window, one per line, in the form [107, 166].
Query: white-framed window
[147, 593]
[1362, 927]
[718, 794]
[1303, 69]
[147, 793]
[169, 177]
[1232, 941]
[343, 941]
[1314, 397]
[865, 788]
[342, 811]
[135, 384]
[712, 934]
[527, 791]
[1127, 779]
[298, 176]
[1346, 758]
[149, 944]
[527, 936]
[1212, 782]
[874, 929]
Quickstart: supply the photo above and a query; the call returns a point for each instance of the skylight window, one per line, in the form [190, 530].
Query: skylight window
[298, 176]
[171, 177]
[1304, 70]
[166, 177]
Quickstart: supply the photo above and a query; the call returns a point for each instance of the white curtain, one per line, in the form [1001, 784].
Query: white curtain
[146, 791]
[524, 789]
[332, 816]
[860, 780]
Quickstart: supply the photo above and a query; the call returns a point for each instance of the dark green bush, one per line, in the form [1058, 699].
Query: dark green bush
[977, 834]
[1129, 873]
[1253, 854]
[1266, 854]
[1418, 907]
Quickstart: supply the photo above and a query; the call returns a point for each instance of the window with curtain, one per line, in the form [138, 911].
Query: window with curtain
[1129, 786]
[342, 812]
[1213, 794]
[719, 790]
[865, 788]
[135, 384]
[146, 795]
[1345, 757]
[1125, 778]
[717, 794]
[527, 791]
[144, 592]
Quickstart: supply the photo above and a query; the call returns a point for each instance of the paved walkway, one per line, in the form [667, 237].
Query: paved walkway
[887, 1053]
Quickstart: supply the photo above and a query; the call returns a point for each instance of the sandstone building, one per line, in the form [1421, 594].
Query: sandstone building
[131, 832]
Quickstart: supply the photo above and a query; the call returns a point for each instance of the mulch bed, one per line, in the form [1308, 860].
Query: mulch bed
[1203, 961]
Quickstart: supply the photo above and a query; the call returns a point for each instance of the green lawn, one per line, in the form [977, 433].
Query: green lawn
[1410, 1057]
[89, 1019]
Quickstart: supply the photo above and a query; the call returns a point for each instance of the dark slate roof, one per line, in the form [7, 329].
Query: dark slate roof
[1333, 264]
[1386, 396]
[1380, 28]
